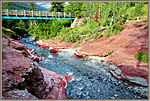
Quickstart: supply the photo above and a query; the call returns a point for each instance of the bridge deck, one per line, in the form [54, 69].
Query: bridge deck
[25, 14]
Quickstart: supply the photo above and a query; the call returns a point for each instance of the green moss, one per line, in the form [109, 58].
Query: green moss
[142, 56]
[139, 36]
[4, 44]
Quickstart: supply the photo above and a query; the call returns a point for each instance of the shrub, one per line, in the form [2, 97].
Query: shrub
[142, 56]
[139, 36]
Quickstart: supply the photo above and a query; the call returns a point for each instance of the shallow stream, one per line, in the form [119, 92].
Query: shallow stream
[93, 79]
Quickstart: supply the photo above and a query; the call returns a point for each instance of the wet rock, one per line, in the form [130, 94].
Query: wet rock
[30, 39]
[116, 95]
[130, 73]
[19, 94]
[15, 65]
[46, 84]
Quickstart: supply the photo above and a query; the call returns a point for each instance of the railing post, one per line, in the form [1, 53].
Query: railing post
[39, 13]
[7, 11]
[64, 14]
[70, 14]
[16, 12]
[24, 12]
[32, 13]
[58, 14]
[46, 13]
[52, 14]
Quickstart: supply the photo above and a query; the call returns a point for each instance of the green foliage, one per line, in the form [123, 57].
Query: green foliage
[142, 56]
[111, 15]
[145, 10]
[74, 34]
[4, 44]
[21, 6]
[139, 9]
[18, 26]
[114, 29]
[65, 23]
[9, 32]
[57, 6]
[139, 36]
[46, 29]
[74, 7]
[32, 6]
[6, 5]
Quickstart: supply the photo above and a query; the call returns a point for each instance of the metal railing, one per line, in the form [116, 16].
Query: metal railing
[6, 12]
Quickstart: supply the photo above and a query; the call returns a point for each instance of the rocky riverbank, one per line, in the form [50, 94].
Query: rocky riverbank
[24, 79]
[118, 49]
[117, 71]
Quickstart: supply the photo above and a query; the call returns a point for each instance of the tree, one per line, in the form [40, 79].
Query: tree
[6, 5]
[57, 6]
[74, 7]
[32, 6]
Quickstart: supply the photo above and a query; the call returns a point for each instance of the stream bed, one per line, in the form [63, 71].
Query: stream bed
[93, 78]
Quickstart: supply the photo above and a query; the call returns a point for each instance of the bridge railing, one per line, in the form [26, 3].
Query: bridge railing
[6, 12]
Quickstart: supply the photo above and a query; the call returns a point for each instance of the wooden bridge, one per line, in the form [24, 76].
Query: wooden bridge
[26, 14]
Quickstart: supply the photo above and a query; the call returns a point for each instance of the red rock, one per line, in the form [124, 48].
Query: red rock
[18, 94]
[52, 42]
[130, 73]
[54, 51]
[51, 85]
[15, 65]
[19, 68]
[123, 47]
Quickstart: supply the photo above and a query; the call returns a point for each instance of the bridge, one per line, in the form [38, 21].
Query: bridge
[26, 14]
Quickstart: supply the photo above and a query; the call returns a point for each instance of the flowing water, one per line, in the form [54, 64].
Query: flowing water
[93, 79]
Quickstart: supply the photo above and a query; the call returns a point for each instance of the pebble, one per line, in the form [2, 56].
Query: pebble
[116, 95]
[111, 97]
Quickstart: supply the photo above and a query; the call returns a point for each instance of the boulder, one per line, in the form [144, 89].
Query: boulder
[15, 65]
[131, 74]
[18, 94]
[46, 84]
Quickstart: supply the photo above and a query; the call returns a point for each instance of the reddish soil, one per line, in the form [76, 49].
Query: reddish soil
[123, 47]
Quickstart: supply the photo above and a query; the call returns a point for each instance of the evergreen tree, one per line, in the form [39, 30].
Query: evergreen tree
[32, 6]
[6, 5]
[57, 6]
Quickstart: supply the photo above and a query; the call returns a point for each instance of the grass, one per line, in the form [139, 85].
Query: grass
[142, 56]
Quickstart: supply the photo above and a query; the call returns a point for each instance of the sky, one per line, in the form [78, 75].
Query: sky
[46, 4]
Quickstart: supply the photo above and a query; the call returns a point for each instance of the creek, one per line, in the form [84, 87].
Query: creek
[93, 79]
